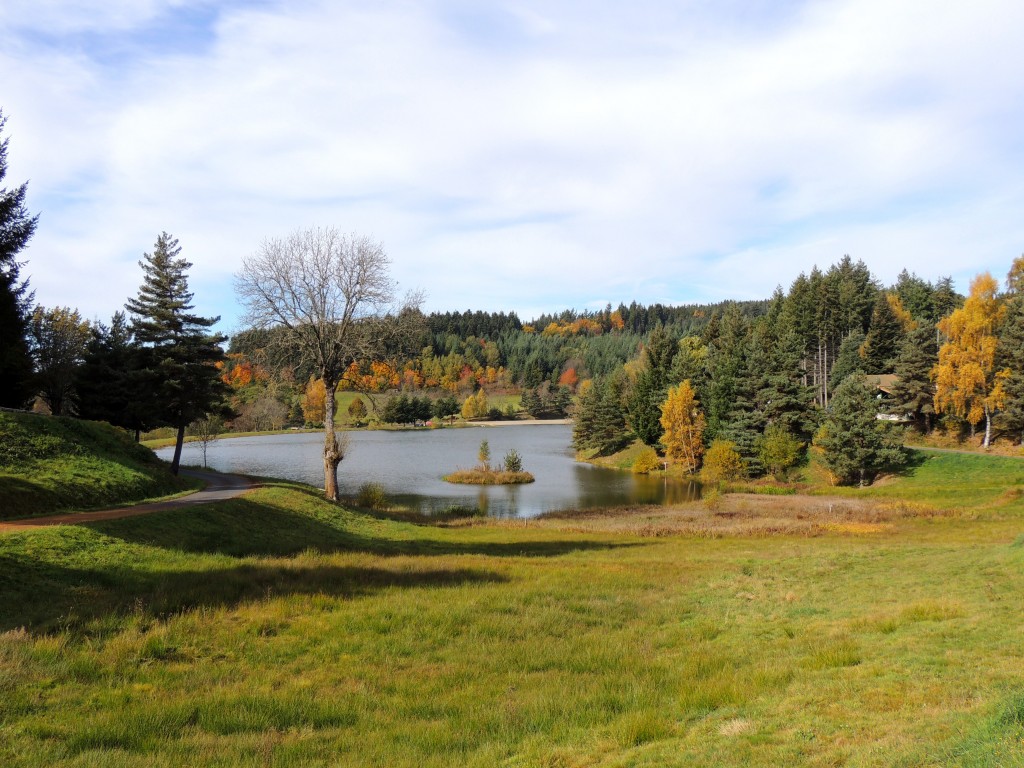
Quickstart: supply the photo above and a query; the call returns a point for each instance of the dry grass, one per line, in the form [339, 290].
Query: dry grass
[481, 476]
[744, 515]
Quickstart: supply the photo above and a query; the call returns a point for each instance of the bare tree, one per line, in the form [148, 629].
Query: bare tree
[205, 431]
[334, 295]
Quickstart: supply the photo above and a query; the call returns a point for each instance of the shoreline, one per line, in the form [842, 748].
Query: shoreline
[160, 443]
[519, 423]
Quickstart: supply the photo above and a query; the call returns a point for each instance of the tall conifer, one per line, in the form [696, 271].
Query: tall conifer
[913, 393]
[16, 228]
[179, 352]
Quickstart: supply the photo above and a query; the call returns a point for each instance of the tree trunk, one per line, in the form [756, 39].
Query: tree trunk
[988, 428]
[177, 449]
[331, 455]
[824, 379]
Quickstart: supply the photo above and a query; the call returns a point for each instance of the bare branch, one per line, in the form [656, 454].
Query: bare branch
[334, 295]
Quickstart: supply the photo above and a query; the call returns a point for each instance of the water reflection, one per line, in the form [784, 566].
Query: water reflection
[410, 465]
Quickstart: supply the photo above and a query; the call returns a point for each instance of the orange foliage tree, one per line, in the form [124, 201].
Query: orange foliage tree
[569, 379]
[314, 401]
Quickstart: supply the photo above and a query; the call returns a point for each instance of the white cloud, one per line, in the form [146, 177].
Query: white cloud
[531, 157]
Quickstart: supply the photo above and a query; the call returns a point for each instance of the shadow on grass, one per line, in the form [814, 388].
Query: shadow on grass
[42, 597]
[247, 528]
[915, 460]
[23, 497]
[26, 498]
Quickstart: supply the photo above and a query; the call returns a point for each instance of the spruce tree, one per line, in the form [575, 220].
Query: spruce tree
[110, 381]
[179, 354]
[849, 359]
[645, 407]
[917, 296]
[651, 386]
[1010, 358]
[725, 364]
[913, 393]
[785, 400]
[855, 444]
[599, 422]
[745, 418]
[885, 333]
[16, 228]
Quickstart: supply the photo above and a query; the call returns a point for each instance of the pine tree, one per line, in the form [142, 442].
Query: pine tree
[917, 296]
[725, 364]
[1010, 358]
[16, 228]
[745, 419]
[109, 382]
[913, 392]
[645, 407]
[179, 352]
[651, 386]
[855, 444]
[690, 363]
[599, 422]
[785, 400]
[882, 343]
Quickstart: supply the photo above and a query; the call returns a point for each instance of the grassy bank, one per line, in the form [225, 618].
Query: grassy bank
[280, 630]
[52, 464]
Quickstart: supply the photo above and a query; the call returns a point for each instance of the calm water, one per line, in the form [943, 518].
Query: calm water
[410, 465]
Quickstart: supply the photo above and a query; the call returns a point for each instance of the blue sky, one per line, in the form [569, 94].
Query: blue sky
[526, 156]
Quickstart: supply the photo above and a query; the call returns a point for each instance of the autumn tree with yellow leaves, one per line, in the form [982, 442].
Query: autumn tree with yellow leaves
[683, 422]
[314, 401]
[967, 381]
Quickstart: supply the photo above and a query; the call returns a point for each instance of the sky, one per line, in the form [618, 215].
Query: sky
[526, 156]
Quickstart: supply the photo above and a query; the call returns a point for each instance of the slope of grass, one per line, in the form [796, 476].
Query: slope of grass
[52, 464]
[959, 481]
[278, 629]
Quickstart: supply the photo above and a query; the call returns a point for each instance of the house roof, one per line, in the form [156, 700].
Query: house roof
[882, 381]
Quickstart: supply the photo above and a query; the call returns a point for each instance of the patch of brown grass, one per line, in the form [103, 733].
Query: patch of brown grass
[480, 476]
[743, 515]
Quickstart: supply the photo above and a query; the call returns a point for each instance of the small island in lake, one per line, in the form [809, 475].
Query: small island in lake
[510, 473]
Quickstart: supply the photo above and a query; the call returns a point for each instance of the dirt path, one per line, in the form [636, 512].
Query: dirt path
[219, 487]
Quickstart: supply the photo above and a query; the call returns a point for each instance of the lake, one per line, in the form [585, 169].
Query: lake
[410, 464]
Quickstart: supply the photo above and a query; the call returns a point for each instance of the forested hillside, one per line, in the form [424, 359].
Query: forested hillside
[749, 386]
[750, 363]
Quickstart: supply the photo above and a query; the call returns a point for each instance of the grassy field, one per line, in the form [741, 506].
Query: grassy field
[51, 464]
[278, 629]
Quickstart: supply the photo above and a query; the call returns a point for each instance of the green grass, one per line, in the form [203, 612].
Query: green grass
[957, 481]
[278, 629]
[52, 464]
[165, 442]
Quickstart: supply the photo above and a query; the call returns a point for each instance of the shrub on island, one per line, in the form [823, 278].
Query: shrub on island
[484, 474]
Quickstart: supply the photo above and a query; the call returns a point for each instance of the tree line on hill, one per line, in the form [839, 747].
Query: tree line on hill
[801, 375]
[749, 384]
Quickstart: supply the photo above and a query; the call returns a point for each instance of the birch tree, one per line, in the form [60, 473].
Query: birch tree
[967, 381]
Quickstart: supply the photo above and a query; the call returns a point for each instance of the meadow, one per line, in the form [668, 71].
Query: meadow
[278, 629]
